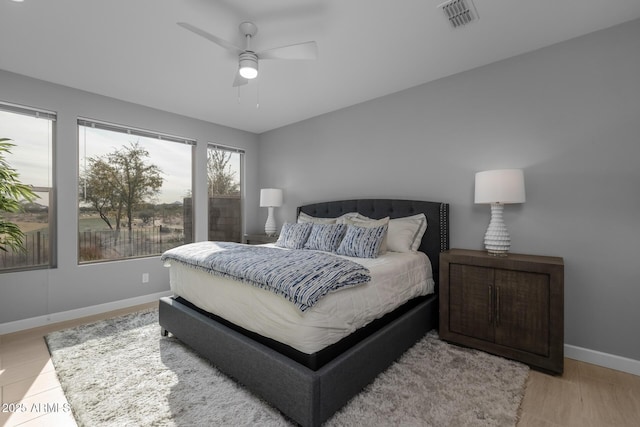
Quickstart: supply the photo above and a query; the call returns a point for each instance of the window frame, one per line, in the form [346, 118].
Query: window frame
[133, 131]
[241, 170]
[52, 117]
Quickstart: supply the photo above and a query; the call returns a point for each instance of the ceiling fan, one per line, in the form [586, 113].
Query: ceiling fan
[247, 58]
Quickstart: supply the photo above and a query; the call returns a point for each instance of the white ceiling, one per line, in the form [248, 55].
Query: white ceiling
[134, 51]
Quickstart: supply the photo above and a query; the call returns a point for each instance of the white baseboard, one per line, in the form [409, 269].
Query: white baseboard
[36, 322]
[602, 359]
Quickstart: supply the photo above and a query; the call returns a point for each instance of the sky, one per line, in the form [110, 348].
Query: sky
[32, 152]
[172, 158]
[31, 156]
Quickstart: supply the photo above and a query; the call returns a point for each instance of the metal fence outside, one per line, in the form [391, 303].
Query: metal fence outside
[36, 254]
[119, 244]
[96, 246]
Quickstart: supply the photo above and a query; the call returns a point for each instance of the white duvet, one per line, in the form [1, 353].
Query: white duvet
[395, 278]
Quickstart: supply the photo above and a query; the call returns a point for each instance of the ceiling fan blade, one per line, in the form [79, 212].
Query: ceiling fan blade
[217, 40]
[306, 50]
[239, 80]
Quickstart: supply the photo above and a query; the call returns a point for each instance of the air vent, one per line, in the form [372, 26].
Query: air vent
[459, 12]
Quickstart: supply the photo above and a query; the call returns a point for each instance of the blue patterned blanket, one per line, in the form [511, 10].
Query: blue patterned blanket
[301, 276]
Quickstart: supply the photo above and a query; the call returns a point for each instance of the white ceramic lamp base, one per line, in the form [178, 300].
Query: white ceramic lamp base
[270, 225]
[496, 239]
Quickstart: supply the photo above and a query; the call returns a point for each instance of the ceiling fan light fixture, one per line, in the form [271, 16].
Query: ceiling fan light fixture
[247, 58]
[248, 65]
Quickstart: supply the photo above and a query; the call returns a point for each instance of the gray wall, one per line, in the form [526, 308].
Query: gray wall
[70, 286]
[569, 115]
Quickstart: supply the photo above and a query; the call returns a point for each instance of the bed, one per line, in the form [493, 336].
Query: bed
[306, 386]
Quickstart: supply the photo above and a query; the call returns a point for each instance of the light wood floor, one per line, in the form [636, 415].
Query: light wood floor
[586, 395]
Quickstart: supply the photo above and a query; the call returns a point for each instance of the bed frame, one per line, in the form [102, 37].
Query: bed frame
[309, 397]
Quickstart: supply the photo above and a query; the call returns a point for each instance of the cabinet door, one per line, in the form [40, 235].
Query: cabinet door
[471, 301]
[522, 310]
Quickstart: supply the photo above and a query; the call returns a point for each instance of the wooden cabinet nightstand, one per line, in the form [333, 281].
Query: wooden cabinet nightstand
[259, 239]
[511, 306]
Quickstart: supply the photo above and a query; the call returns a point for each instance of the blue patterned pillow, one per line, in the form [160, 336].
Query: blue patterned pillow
[362, 242]
[293, 236]
[325, 237]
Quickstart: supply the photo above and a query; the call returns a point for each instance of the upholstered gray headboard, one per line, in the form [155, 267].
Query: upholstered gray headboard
[436, 238]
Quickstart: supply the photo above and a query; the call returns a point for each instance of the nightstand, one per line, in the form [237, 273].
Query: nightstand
[259, 239]
[511, 306]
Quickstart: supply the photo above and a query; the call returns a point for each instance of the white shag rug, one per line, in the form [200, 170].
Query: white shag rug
[121, 372]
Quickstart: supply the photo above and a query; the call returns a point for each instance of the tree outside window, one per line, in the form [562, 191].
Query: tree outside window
[224, 171]
[133, 187]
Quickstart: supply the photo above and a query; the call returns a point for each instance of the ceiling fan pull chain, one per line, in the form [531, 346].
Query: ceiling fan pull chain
[257, 93]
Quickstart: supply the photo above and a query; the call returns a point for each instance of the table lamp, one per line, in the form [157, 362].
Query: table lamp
[499, 187]
[270, 198]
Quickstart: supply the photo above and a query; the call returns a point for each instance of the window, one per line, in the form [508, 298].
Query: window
[31, 131]
[133, 187]
[224, 171]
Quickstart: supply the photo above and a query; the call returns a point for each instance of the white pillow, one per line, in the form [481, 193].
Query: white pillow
[405, 234]
[303, 218]
[350, 215]
[363, 221]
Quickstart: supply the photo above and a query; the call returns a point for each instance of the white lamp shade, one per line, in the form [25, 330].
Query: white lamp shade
[270, 197]
[500, 186]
